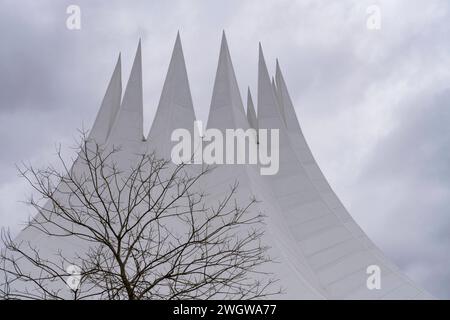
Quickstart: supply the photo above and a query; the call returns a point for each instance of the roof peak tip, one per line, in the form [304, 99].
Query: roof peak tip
[261, 54]
[278, 72]
[138, 49]
[224, 40]
[118, 66]
[249, 92]
[224, 50]
[178, 41]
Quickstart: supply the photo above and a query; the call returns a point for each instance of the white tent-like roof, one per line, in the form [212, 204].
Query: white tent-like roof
[321, 250]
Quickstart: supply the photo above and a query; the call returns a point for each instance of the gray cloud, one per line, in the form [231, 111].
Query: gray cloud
[410, 169]
[373, 105]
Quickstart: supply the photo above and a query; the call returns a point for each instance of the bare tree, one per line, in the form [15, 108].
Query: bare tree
[147, 232]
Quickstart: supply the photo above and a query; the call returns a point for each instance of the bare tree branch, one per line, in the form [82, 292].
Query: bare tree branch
[145, 232]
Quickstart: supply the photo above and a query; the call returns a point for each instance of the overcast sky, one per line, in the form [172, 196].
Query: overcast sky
[374, 104]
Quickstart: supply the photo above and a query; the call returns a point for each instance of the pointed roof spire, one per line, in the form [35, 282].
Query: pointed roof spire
[267, 101]
[285, 100]
[279, 102]
[227, 109]
[109, 107]
[251, 114]
[175, 108]
[129, 121]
